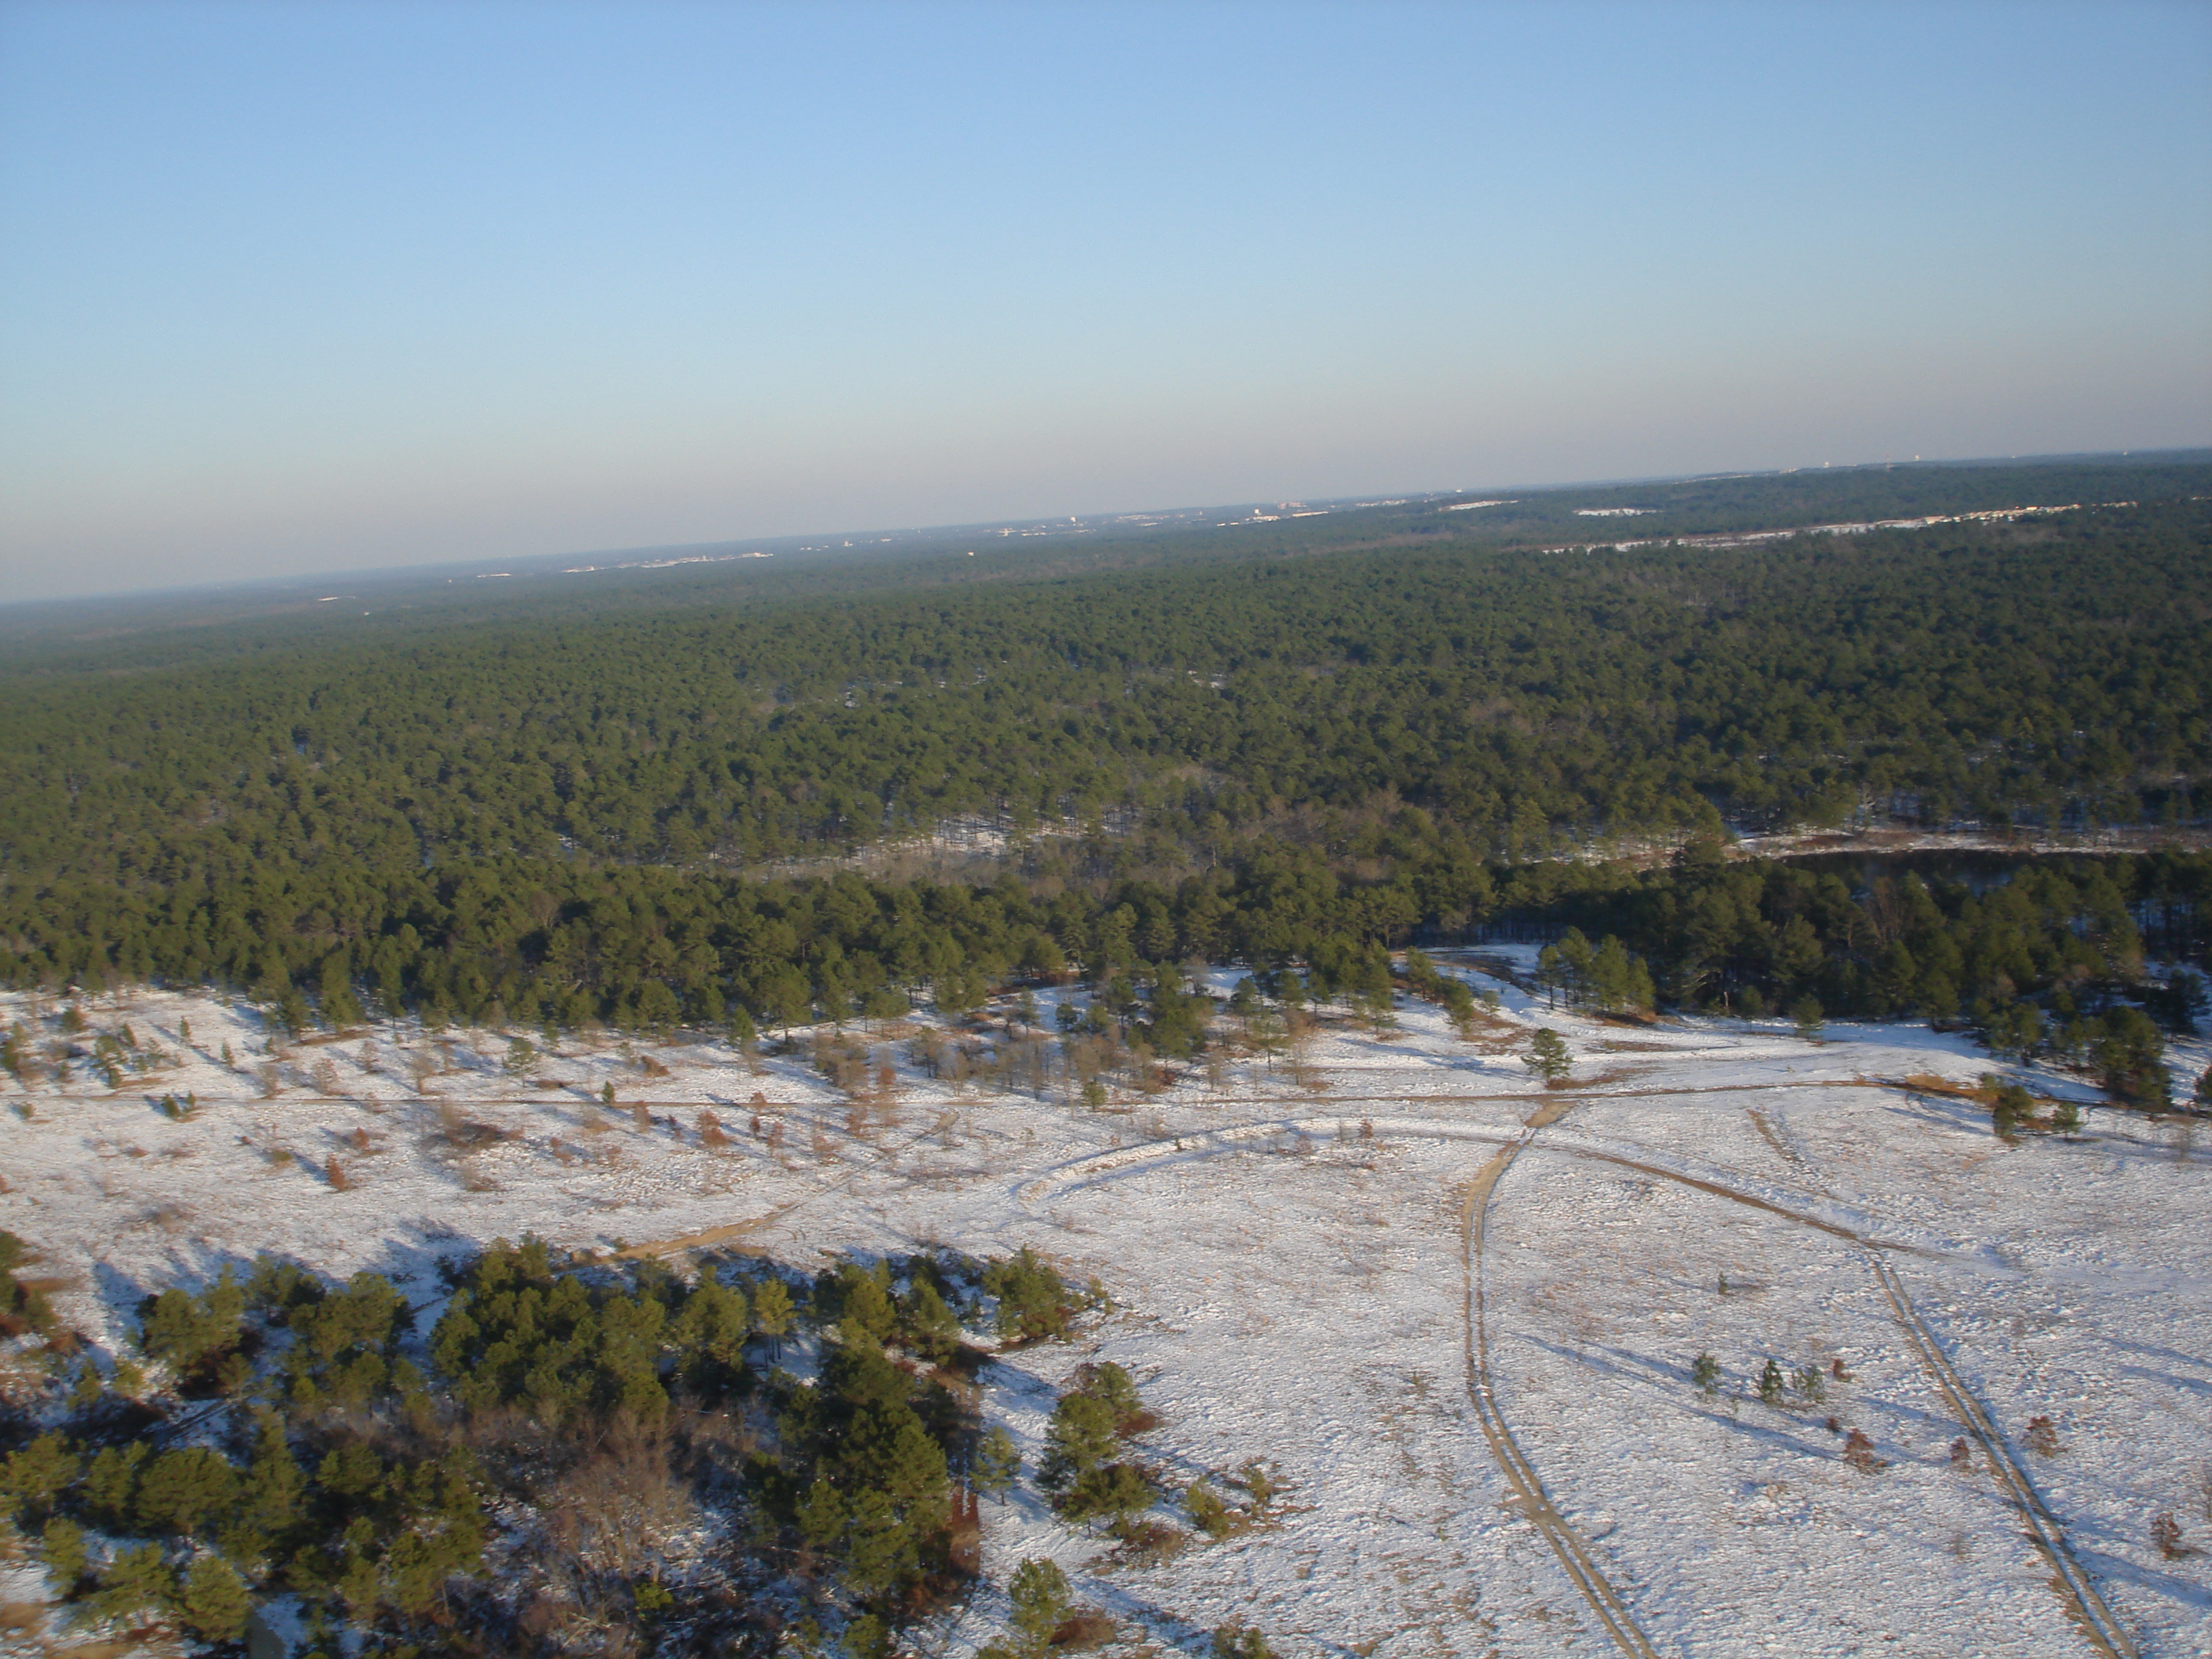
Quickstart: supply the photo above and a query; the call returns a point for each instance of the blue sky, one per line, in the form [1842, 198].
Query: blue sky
[290, 287]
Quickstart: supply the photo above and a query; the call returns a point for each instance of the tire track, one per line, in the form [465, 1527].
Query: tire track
[2084, 1605]
[1573, 1552]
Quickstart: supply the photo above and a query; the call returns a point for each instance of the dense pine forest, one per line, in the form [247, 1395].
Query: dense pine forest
[636, 1412]
[1295, 754]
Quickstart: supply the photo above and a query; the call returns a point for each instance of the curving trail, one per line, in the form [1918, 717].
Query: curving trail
[2085, 1606]
[1573, 1550]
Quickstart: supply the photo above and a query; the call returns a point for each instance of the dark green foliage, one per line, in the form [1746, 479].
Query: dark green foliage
[1769, 1384]
[384, 824]
[998, 1463]
[1208, 1510]
[213, 1602]
[110, 1485]
[33, 1478]
[181, 1491]
[1040, 1594]
[195, 1333]
[22, 1308]
[927, 1326]
[1605, 977]
[1034, 1303]
[517, 1334]
[137, 1582]
[369, 1500]
[342, 1344]
[2127, 1052]
[63, 1551]
[1547, 1056]
[1240, 1642]
[1082, 1467]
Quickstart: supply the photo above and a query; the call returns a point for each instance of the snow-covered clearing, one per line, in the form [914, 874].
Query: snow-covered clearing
[1329, 1277]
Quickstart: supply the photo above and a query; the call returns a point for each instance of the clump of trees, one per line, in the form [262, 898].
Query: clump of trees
[602, 1413]
[1086, 1468]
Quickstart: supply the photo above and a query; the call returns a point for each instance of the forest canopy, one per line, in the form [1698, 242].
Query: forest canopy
[1249, 751]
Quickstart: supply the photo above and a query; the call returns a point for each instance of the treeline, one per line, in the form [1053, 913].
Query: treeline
[560, 945]
[2049, 961]
[402, 606]
[2049, 671]
[612, 1421]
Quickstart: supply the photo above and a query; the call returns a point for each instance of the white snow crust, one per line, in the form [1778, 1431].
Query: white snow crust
[1294, 1277]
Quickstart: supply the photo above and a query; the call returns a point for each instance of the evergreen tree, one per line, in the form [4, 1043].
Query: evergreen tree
[213, 1603]
[772, 1311]
[1547, 1056]
[1040, 1594]
[181, 1490]
[998, 1463]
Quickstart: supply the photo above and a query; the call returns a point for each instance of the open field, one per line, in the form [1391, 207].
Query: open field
[1453, 1314]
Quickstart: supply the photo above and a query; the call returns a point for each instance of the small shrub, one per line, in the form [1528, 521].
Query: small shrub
[2165, 1533]
[1240, 1642]
[1809, 1386]
[1081, 1631]
[2042, 1438]
[1209, 1511]
[1961, 1458]
[1859, 1453]
[1769, 1384]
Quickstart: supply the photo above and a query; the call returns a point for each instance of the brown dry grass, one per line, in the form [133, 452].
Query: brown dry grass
[1929, 1084]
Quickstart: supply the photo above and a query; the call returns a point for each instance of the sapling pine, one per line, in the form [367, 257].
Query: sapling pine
[1706, 1372]
[1040, 1596]
[1209, 1512]
[1547, 1056]
[998, 1463]
[1769, 1384]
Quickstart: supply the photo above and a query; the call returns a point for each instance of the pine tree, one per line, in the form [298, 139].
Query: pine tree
[62, 1548]
[181, 1489]
[1080, 1438]
[821, 1515]
[1769, 1384]
[215, 1602]
[1547, 1056]
[772, 1311]
[998, 1463]
[136, 1580]
[31, 1480]
[1040, 1594]
[1208, 1510]
[927, 1326]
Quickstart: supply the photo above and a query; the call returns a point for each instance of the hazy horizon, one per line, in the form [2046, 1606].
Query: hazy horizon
[289, 290]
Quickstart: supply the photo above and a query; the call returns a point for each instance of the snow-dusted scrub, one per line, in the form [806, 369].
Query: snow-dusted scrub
[1285, 1253]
